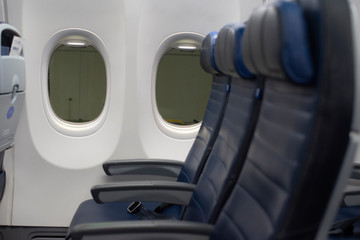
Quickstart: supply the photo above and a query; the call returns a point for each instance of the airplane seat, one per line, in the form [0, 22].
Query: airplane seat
[217, 103]
[226, 159]
[12, 88]
[303, 129]
[300, 139]
[223, 164]
[190, 170]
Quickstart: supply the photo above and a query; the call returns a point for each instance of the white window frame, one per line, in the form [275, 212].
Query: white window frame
[173, 130]
[60, 125]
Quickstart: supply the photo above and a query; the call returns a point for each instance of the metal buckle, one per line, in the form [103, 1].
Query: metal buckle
[133, 207]
[14, 92]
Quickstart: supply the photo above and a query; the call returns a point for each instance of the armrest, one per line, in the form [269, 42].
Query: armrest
[356, 171]
[157, 191]
[351, 196]
[137, 230]
[161, 167]
[352, 190]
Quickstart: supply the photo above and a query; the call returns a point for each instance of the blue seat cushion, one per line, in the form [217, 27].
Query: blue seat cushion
[347, 213]
[90, 212]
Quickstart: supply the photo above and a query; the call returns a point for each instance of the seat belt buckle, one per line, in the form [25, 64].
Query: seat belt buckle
[134, 206]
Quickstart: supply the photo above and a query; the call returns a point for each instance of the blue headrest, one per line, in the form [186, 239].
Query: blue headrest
[228, 53]
[207, 59]
[276, 43]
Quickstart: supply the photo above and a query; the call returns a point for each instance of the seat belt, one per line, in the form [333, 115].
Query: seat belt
[345, 226]
[145, 214]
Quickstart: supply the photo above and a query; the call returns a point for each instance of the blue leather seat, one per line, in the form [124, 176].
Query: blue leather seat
[304, 123]
[300, 138]
[226, 158]
[204, 141]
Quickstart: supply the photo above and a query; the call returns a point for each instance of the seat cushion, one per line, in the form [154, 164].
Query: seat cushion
[90, 212]
[347, 213]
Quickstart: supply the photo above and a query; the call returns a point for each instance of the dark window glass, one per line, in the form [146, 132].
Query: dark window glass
[77, 83]
[182, 87]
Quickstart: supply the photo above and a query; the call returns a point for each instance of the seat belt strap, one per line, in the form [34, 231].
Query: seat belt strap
[144, 214]
[345, 226]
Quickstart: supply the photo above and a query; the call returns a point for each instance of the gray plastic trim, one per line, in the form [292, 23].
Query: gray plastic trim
[158, 191]
[156, 167]
[175, 230]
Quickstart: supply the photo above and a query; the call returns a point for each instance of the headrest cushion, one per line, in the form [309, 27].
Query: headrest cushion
[276, 44]
[228, 54]
[207, 59]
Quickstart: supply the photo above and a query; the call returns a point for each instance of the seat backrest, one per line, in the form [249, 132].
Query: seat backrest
[204, 141]
[226, 158]
[304, 122]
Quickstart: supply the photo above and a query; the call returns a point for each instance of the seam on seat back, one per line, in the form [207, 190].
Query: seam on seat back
[209, 129]
[285, 185]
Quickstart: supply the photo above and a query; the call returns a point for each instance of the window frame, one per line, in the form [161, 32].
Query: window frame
[169, 129]
[67, 128]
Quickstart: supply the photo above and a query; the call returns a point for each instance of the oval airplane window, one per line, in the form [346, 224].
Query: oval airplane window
[182, 86]
[77, 82]
[75, 73]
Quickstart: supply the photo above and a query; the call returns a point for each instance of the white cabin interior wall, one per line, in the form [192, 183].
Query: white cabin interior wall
[3, 12]
[14, 13]
[54, 172]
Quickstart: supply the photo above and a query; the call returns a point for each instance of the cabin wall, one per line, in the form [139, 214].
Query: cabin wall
[53, 172]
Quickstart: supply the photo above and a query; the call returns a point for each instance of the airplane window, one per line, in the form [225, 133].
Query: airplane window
[182, 87]
[77, 83]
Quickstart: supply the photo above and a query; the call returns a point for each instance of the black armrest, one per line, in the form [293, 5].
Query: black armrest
[352, 190]
[158, 191]
[351, 196]
[136, 230]
[356, 171]
[160, 167]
